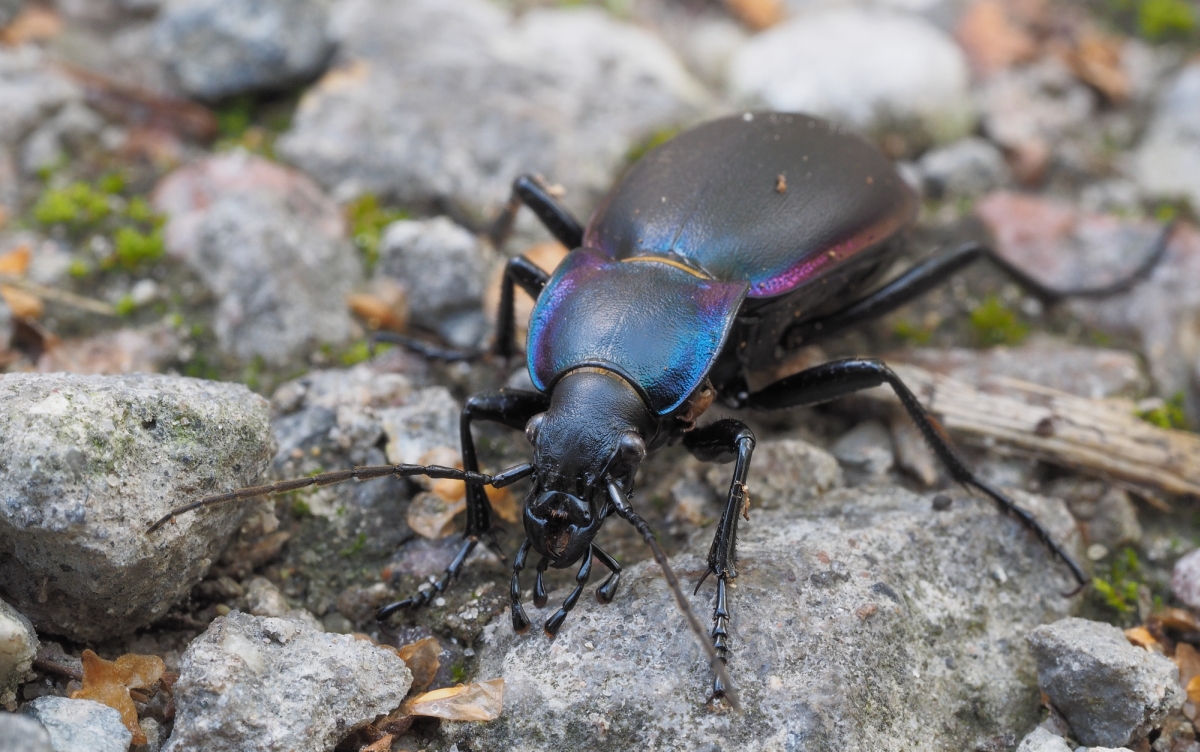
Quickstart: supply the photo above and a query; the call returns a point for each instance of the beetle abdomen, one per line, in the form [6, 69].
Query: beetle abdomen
[651, 319]
[772, 199]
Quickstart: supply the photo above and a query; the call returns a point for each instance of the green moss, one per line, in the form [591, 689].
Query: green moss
[112, 183]
[79, 269]
[133, 248]
[125, 306]
[995, 324]
[355, 548]
[367, 221]
[458, 672]
[359, 352]
[1162, 19]
[78, 205]
[1118, 584]
[1169, 414]
[658, 138]
[233, 118]
[912, 334]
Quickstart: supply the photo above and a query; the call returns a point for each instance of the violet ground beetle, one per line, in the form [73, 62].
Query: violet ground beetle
[718, 254]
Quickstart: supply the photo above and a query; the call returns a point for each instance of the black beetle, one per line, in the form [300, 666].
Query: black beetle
[716, 255]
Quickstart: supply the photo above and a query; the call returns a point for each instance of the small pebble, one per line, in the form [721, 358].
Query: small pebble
[1097, 551]
[942, 502]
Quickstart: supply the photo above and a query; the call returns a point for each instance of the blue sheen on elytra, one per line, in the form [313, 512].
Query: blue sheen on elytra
[661, 326]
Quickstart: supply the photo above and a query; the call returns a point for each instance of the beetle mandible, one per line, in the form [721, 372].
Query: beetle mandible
[717, 254]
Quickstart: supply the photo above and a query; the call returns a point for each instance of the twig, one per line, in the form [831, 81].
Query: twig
[59, 296]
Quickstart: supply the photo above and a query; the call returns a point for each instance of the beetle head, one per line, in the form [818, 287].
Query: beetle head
[594, 430]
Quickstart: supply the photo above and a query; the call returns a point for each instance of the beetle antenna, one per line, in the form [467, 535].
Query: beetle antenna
[422, 348]
[714, 661]
[365, 472]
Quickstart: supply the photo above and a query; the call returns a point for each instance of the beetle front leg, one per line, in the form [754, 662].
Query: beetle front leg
[723, 441]
[554, 623]
[509, 407]
[608, 588]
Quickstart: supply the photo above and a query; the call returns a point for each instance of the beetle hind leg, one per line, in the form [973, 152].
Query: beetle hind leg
[554, 623]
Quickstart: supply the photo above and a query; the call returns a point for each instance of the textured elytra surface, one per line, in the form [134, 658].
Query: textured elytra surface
[89, 463]
[866, 622]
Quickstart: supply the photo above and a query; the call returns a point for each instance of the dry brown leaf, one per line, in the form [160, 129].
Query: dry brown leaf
[1193, 690]
[1096, 60]
[382, 745]
[1187, 658]
[109, 682]
[421, 657]
[1141, 637]
[757, 14]
[431, 516]
[23, 304]
[1178, 618]
[35, 23]
[992, 40]
[16, 261]
[504, 504]
[383, 306]
[481, 701]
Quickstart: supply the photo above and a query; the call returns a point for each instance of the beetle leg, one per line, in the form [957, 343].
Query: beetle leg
[509, 407]
[840, 378]
[723, 441]
[933, 272]
[608, 588]
[539, 587]
[530, 190]
[532, 278]
[554, 623]
[520, 621]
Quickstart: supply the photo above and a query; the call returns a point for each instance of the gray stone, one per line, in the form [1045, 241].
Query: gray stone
[1093, 372]
[866, 447]
[1110, 692]
[18, 646]
[441, 266]
[785, 474]
[21, 734]
[1167, 163]
[1185, 579]
[452, 99]
[89, 462]
[281, 684]
[1035, 105]
[862, 621]
[1107, 514]
[969, 167]
[219, 48]
[1041, 740]
[427, 421]
[271, 246]
[31, 91]
[46, 147]
[859, 67]
[80, 725]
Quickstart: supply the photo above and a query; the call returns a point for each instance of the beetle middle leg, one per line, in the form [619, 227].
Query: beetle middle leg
[530, 191]
[509, 407]
[723, 441]
[841, 378]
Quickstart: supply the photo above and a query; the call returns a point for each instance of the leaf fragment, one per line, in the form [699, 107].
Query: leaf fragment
[421, 657]
[481, 701]
[109, 682]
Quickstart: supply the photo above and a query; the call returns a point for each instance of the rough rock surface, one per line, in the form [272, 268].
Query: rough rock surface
[1168, 160]
[969, 167]
[271, 246]
[80, 725]
[1112, 693]
[18, 646]
[88, 463]
[1041, 740]
[30, 90]
[21, 734]
[219, 48]
[281, 684]
[859, 67]
[452, 99]
[855, 621]
[441, 266]
[1185, 579]
[785, 473]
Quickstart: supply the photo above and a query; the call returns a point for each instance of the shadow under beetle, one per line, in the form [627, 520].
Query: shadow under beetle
[717, 254]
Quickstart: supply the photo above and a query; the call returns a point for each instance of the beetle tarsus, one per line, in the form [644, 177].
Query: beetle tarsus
[425, 597]
[520, 620]
[554, 623]
[608, 588]
[539, 588]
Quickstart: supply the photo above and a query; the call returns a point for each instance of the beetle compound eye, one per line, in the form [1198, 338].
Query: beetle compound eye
[531, 428]
[632, 449]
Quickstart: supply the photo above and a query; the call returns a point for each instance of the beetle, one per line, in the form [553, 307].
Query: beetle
[717, 254]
